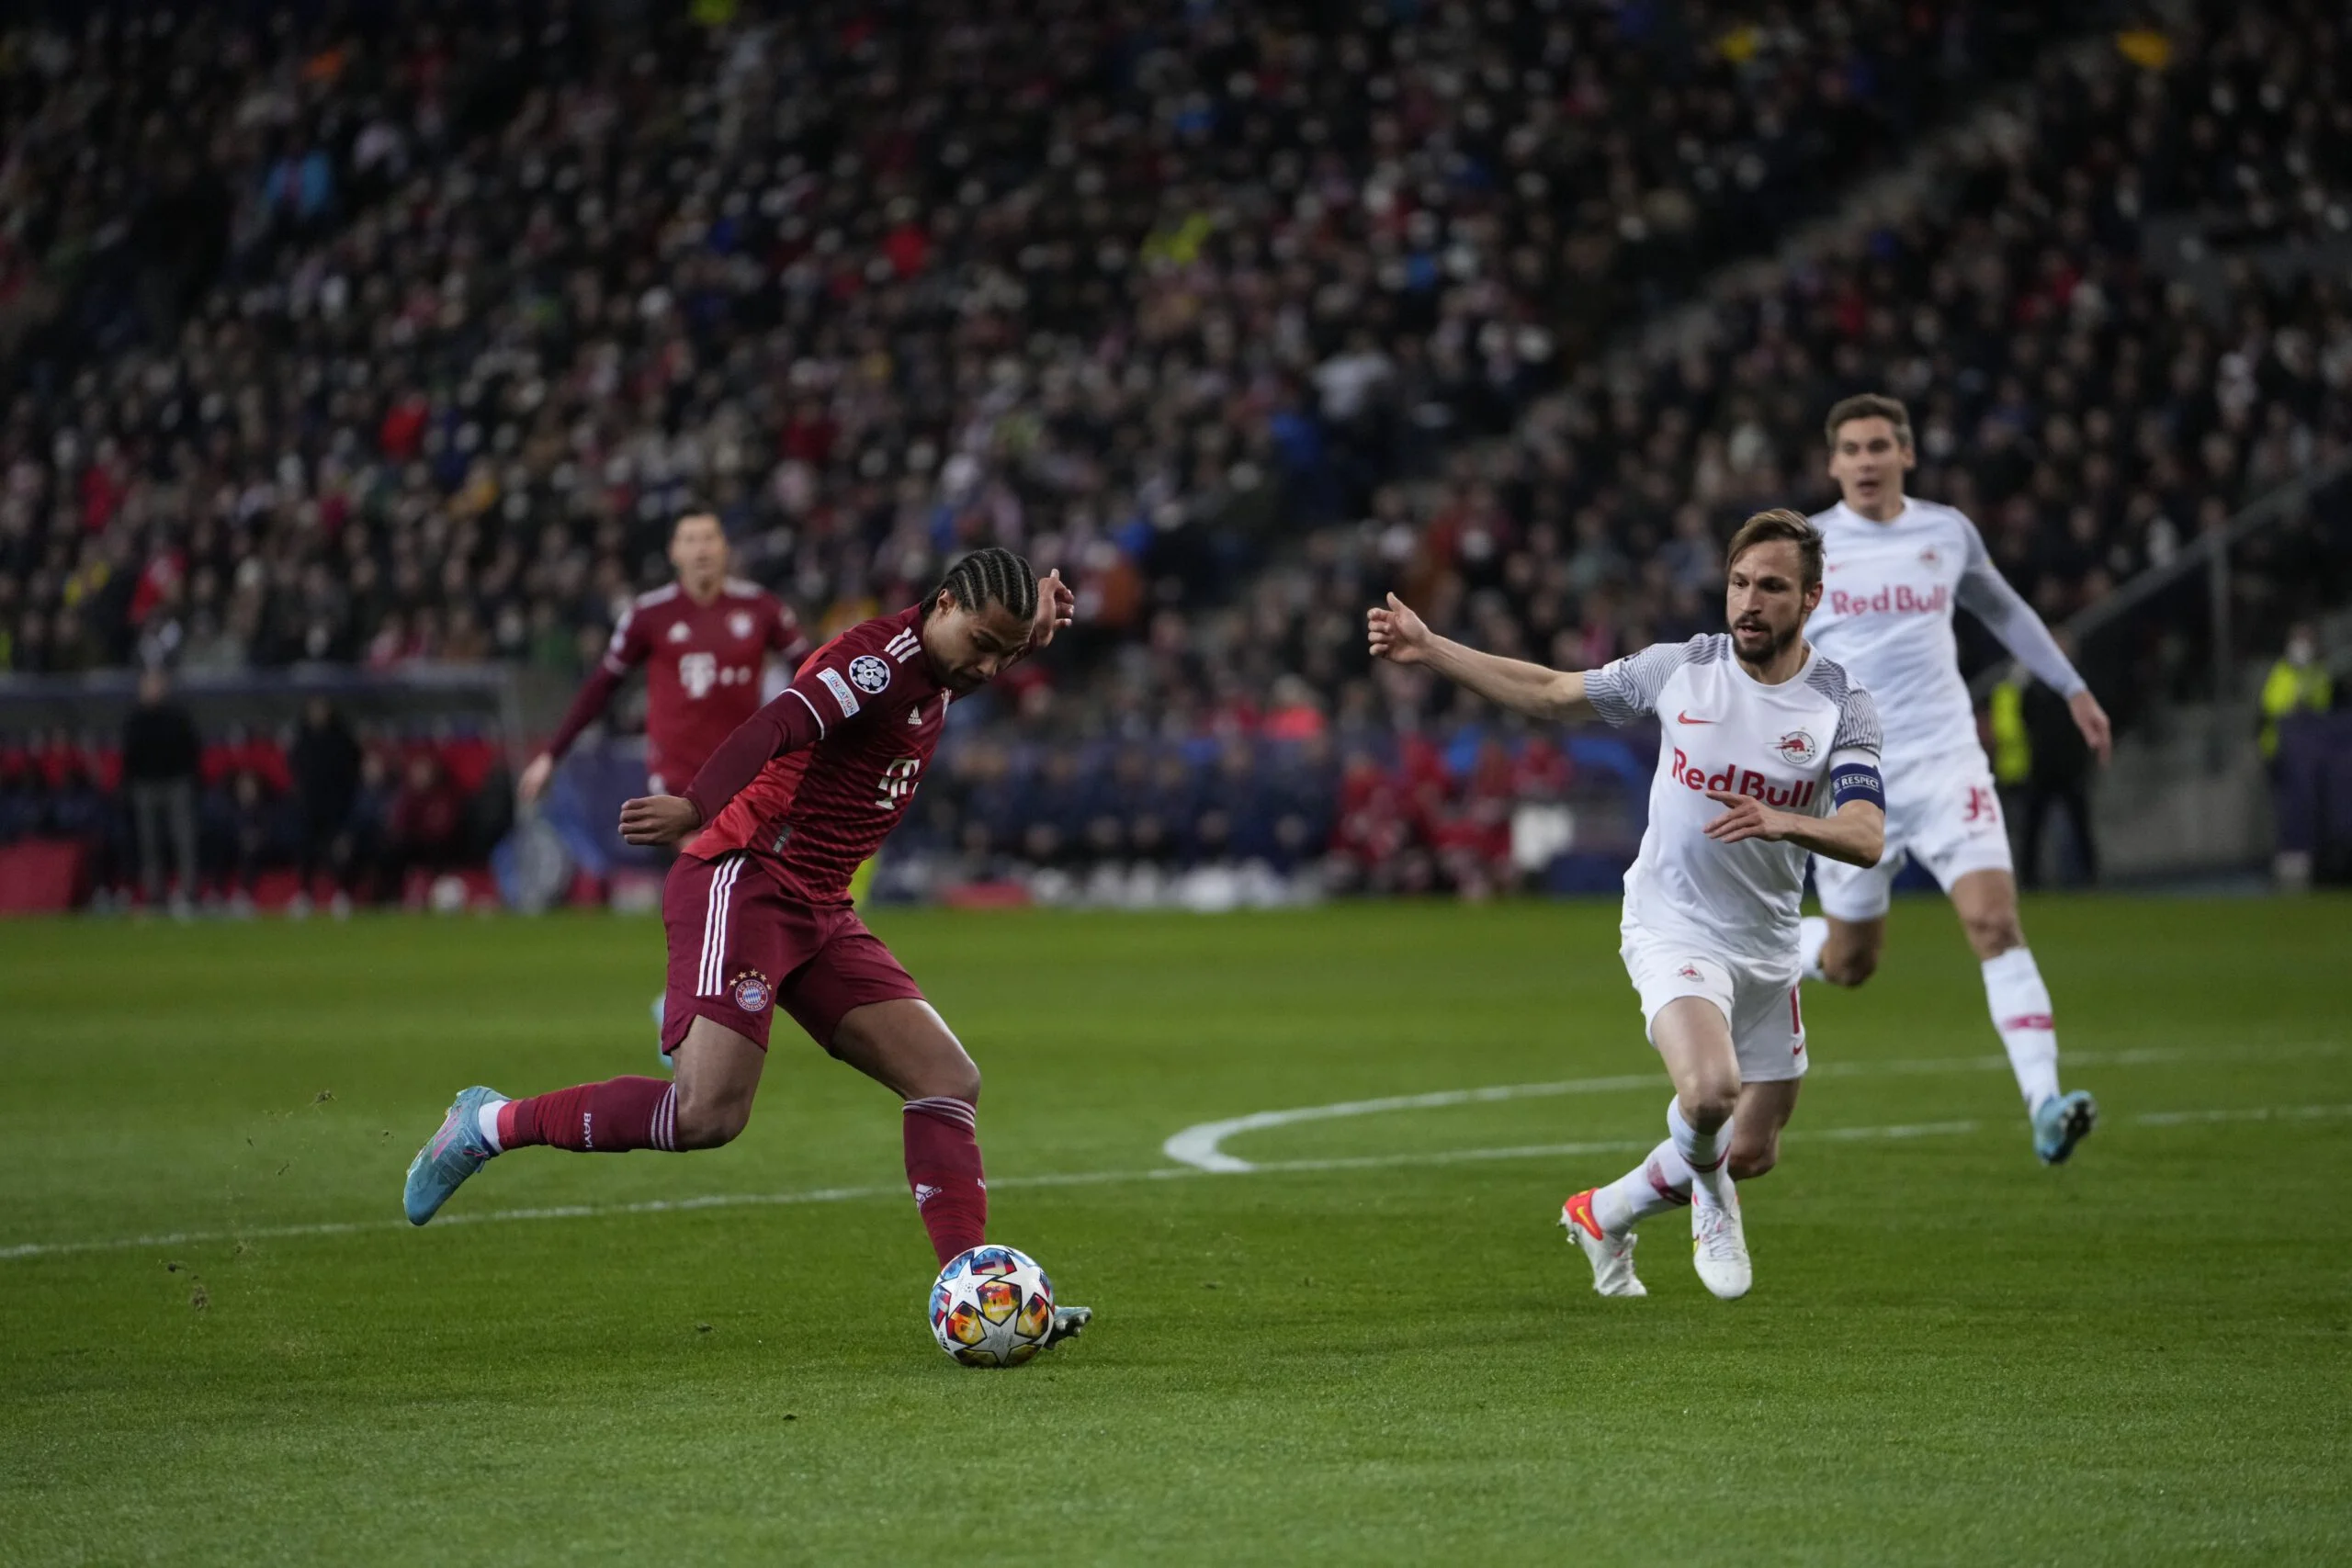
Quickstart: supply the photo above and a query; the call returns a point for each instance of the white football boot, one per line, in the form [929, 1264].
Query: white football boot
[1719, 1243]
[1611, 1256]
[1069, 1323]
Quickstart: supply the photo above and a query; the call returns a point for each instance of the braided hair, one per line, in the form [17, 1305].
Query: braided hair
[992, 576]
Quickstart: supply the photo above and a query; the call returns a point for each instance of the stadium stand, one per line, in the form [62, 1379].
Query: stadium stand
[1242, 324]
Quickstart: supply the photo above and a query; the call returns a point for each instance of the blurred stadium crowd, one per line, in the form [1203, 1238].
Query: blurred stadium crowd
[401, 338]
[320, 814]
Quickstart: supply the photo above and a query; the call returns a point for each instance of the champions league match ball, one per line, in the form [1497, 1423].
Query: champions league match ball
[991, 1306]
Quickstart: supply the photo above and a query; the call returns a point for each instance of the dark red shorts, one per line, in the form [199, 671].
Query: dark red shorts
[742, 947]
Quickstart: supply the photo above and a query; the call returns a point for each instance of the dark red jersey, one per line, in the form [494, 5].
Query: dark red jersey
[813, 815]
[702, 669]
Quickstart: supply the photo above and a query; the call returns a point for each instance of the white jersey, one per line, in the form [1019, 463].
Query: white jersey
[1887, 595]
[1725, 729]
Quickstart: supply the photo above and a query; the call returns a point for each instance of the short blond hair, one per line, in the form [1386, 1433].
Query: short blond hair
[1780, 523]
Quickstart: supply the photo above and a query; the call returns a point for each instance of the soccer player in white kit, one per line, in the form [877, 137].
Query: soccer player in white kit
[1769, 751]
[1896, 567]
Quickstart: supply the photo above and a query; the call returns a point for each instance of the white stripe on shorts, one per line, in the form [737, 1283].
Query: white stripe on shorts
[712, 975]
[665, 1120]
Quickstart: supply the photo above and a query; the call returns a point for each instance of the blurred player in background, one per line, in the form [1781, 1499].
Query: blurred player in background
[1897, 566]
[705, 641]
[758, 913]
[1771, 752]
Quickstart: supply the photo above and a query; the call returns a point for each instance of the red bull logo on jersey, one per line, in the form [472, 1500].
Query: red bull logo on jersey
[1734, 780]
[1901, 600]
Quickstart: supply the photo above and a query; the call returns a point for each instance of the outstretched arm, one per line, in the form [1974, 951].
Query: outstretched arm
[1397, 635]
[626, 650]
[1987, 595]
[587, 705]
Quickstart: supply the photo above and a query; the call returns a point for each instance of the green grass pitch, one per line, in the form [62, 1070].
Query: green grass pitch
[1375, 1348]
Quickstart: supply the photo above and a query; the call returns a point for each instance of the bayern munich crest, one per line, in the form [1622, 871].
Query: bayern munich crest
[750, 992]
[868, 675]
[738, 625]
[1796, 746]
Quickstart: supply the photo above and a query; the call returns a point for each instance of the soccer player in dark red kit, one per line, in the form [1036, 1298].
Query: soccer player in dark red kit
[704, 641]
[758, 913]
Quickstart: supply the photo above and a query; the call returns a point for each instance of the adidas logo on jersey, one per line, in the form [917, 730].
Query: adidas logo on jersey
[903, 645]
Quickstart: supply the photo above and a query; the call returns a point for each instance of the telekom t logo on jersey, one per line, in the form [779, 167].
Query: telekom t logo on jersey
[1898, 600]
[898, 783]
[698, 672]
[1735, 780]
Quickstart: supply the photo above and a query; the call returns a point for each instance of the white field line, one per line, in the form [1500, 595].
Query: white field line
[1201, 1146]
[2249, 1113]
[1893, 1134]
[846, 1194]
[1197, 1145]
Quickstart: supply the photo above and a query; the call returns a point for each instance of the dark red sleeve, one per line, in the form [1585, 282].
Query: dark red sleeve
[785, 640]
[784, 726]
[594, 692]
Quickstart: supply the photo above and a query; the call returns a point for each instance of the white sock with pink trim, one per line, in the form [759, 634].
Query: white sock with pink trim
[2021, 1005]
[1660, 1182]
[1706, 1154]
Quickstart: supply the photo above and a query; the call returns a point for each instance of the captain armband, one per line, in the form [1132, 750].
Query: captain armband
[1856, 781]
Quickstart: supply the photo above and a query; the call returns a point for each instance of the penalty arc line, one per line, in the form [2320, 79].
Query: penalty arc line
[1202, 1144]
[1894, 1132]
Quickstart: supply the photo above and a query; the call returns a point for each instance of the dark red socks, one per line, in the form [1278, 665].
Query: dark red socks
[943, 1169]
[607, 1118]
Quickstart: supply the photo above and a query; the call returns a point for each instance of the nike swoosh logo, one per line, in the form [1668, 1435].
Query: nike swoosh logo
[1686, 718]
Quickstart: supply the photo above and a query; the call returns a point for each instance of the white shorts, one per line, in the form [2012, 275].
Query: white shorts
[1758, 1001]
[1949, 818]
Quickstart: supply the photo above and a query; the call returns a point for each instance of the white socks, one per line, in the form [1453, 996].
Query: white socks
[486, 1123]
[1660, 1182]
[1704, 1152]
[1813, 935]
[2019, 1003]
[1666, 1177]
[2021, 1007]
